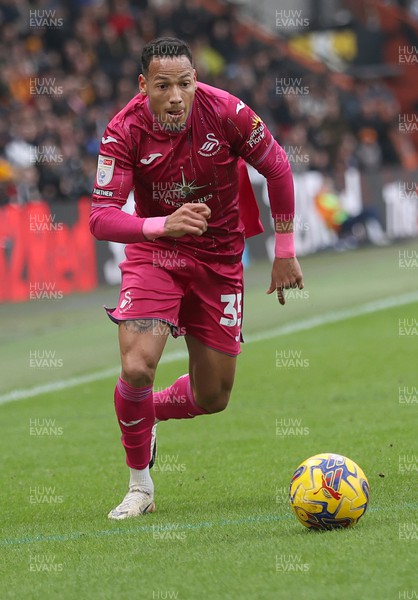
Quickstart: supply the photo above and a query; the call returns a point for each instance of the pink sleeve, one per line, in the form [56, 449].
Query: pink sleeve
[250, 139]
[276, 169]
[114, 181]
[112, 224]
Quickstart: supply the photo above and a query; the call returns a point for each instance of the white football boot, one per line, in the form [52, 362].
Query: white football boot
[136, 502]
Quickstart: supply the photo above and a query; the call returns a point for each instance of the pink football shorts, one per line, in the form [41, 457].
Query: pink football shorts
[202, 299]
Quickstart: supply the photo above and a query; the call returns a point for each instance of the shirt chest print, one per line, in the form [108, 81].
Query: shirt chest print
[175, 193]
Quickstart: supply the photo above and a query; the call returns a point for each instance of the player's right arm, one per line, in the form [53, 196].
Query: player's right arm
[114, 181]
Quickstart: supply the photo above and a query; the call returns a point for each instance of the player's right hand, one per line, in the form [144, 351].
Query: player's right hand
[189, 219]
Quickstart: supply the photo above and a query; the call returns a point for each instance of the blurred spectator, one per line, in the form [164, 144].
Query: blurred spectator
[67, 68]
[7, 186]
[351, 230]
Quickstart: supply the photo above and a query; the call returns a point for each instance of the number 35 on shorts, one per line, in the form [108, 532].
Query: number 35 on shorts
[232, 310]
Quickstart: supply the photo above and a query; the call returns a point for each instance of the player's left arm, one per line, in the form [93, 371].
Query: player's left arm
[250, 138]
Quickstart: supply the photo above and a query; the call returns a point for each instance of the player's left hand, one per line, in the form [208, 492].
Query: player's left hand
[285, 274]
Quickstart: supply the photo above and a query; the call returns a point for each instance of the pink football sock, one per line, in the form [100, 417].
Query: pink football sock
[135, 411]
[177, 401]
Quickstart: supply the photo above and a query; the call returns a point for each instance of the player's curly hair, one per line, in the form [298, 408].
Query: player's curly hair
[164, 47]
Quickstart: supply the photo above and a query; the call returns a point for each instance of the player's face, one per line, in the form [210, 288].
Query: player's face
[170, 86]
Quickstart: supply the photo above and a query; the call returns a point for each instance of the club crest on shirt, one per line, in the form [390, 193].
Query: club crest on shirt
[210, 147]
[105, 168]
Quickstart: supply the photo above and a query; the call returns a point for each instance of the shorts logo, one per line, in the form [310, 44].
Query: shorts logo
[126, 302]
[210, 147]
[105, 168]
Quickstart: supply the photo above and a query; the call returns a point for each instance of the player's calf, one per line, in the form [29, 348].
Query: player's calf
[213, 402]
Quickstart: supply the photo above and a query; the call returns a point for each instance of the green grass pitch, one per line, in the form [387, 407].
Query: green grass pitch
[222, 527]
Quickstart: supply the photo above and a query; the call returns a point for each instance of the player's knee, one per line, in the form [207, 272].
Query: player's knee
[138, 373]
[214, 402]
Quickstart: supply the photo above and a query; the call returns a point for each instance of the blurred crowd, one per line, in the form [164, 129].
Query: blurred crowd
[411, 6]
[67, 67]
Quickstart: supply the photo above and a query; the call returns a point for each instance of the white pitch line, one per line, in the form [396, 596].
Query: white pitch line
[306, 324]
[55, 386]
[335, 317]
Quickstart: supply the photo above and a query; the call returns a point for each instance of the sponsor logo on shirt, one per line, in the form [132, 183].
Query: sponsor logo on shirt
[210, 147]
[176, 193]
[257, 133]
[105, 168]
[99, 192]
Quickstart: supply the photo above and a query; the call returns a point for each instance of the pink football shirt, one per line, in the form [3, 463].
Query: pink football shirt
[199, 163]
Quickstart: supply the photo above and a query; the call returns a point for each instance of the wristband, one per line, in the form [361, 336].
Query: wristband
[285, 245]
[153, 228]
